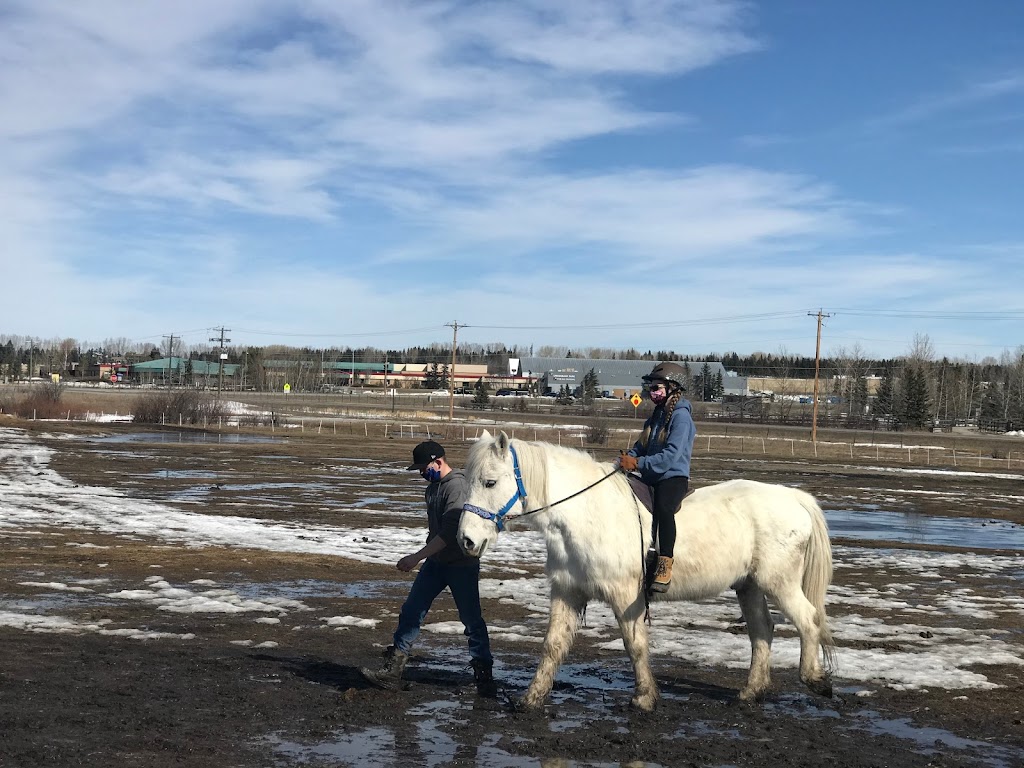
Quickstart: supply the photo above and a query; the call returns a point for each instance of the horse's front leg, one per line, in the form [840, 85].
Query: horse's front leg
[563, 621]
[630, 615]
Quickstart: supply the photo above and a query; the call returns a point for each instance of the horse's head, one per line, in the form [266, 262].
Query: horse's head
[495, 488]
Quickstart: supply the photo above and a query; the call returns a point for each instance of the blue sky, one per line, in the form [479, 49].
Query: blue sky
[695, 176]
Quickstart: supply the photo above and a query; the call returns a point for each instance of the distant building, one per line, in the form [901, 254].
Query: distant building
[620, 378]
[176, 370]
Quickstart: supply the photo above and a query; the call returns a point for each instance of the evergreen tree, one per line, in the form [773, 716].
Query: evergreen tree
[481, 395]
[884, 399]
[718, 390]
[859, 399]
[564, 396]
[432, 379]
[706, 383]
[992, 402]
[589, 388]
[916, 402]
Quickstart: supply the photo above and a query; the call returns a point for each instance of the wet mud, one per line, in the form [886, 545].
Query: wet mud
[276, 683]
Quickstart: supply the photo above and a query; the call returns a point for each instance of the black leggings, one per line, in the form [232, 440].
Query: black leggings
[666, 497]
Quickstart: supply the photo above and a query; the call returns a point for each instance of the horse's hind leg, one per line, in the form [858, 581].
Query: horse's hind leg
[760, 629]
[802, 613]
[563, 621]
[634, 638]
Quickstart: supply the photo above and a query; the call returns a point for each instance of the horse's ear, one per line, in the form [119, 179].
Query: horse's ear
[486, 435]
[502, 445]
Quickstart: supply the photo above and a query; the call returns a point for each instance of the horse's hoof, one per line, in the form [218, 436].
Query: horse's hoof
[644, 703]
[821, 686]
[751, 696]
[526, 704]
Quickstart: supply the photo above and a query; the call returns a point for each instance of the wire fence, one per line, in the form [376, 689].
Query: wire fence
[587, 437]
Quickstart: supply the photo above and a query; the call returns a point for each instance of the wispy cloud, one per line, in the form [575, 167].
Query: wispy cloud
[964, 97]
[297, 166]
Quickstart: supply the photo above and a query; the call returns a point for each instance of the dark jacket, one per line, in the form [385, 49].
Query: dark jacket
[661, 459]
[445, 499]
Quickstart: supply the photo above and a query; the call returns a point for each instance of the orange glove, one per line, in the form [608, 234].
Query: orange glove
[627, 463]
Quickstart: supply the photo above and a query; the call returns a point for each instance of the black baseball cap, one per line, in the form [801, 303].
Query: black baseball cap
[424, 453]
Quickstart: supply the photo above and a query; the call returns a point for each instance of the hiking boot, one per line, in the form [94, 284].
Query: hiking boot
[389, 676]
[485, 685]
[663, 576]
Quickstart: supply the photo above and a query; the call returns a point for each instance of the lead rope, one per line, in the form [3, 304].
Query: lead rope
[643, 564]
[572, 496]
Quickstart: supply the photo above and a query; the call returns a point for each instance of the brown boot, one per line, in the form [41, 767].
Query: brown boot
[389, 676]
[663, 576]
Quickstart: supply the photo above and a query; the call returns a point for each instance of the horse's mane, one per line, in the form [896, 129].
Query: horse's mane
[534, 459]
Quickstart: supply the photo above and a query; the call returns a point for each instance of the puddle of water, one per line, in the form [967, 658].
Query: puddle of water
[913, 528]
[798, 705]
[54, 603]
[931, 741]
[184, 437]
[378, 747]
[184, 474]
[234, 487]
[368, 500]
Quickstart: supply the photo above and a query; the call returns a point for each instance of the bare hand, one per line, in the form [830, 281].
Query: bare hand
[407, 563]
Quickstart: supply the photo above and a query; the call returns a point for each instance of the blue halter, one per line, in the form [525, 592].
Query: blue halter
[498, 518]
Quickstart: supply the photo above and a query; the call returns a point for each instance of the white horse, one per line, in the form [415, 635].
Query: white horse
[755, 538]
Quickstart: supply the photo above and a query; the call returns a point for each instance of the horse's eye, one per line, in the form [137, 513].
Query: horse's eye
[490, 483]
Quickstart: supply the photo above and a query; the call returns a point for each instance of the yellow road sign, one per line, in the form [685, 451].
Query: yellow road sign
[635, 400]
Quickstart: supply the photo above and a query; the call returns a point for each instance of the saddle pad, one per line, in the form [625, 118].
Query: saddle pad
[642, 491]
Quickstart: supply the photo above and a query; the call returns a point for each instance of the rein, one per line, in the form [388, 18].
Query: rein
[520, 496]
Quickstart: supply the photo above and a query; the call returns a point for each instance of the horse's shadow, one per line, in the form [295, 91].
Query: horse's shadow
[685, 689]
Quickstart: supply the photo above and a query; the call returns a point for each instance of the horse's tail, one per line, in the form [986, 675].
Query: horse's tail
[818, 575]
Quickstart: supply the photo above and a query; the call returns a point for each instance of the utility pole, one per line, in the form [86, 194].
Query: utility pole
[451, 388]
[170, 358]
[221, 357]
[817, 367]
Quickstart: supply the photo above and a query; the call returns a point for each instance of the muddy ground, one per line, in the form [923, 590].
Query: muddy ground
[93, 699]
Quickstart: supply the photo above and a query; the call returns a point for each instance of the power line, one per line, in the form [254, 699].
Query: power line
[649, 324]
[932, 315]
[339, 335]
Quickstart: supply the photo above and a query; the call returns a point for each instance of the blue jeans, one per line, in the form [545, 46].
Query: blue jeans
[463, 581]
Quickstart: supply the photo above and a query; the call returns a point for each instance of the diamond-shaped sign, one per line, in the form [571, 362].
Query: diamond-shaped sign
[635, 400]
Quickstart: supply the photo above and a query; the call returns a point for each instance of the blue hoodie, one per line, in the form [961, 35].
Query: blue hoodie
[660, 460]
